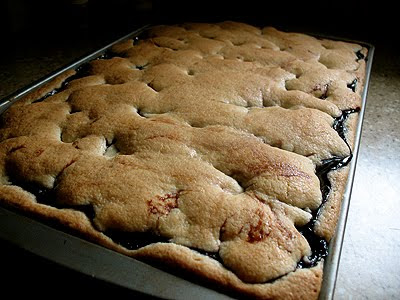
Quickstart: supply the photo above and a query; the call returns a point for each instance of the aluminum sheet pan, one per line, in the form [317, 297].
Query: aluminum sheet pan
[331, 264]
[113, 267]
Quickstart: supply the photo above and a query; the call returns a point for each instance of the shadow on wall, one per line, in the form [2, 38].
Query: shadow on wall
[352, 19]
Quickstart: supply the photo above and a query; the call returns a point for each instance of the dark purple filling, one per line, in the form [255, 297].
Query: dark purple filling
[136, 40]
[134, 240]
[48, 197]
[353, 85]
[339, 123]
[43, 195]
[319, 246]
[81, 71]
[213, 255]
[108, 54]
[84, 69]
[359, 55]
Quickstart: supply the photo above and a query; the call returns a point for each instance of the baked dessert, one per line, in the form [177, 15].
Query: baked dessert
[218, 149]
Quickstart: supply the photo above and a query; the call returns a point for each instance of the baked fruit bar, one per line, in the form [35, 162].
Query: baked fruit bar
[216, 149]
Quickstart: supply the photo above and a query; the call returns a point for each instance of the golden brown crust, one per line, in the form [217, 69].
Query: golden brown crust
[207, 135]
[351, 126]
[330, 211]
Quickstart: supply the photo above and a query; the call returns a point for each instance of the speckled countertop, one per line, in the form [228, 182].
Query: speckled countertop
[370, 261]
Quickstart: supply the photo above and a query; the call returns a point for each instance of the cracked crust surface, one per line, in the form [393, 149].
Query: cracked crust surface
[207, 135]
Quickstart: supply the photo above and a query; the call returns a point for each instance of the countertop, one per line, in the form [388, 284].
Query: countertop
[370, 260]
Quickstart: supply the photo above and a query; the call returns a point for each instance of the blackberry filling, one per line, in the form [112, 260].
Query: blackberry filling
[136, 40]
[81, 71]
[338, 124]
[353, 85]
[137, 240]
[47, 197]
[213, 255]
[141, 67]
[108, 54]
[51, 93]
[134, 240]
[319, 246]
[359, 55]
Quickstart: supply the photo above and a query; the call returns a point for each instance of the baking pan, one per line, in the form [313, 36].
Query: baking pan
[104, 264]
[331, 264]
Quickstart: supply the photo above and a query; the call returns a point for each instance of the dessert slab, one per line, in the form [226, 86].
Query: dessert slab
[18, 228]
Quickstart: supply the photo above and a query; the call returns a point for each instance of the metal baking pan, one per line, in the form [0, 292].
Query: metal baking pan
[120, 270]
[331, 263]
